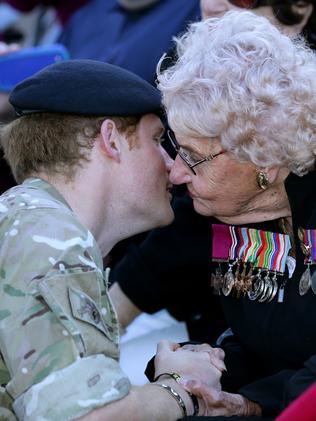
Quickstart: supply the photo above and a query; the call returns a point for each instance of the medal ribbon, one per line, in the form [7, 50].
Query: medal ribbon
[221, 242]
[265, 250]
[310, 240]
[244, 242]
[232, 252]
[250, 254]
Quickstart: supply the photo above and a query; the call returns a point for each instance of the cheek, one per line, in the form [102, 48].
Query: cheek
[155, 170]
[210, 183]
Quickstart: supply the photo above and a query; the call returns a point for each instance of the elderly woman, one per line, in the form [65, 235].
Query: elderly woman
[153, 274]
[241, 101]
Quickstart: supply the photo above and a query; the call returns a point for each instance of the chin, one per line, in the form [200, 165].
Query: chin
[166, 217]
[201, 209]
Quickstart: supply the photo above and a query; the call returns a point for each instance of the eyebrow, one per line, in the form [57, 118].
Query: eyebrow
[189, 148]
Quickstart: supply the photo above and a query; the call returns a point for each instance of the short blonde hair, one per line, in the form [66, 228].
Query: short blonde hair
[54, 142]
[239, 78]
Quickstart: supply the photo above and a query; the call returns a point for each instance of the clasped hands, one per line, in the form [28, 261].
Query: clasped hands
[201, 368]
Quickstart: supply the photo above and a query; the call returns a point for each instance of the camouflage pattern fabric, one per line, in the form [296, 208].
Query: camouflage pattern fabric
[58, 330]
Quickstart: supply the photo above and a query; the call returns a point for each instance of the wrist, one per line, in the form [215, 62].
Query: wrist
[185, 396]
[251, 408]
[177, 377]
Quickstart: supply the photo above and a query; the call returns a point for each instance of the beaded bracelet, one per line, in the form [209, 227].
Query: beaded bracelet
[177, 377]
[175, 395]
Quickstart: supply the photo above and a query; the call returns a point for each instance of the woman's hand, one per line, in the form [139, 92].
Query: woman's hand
[219, 403]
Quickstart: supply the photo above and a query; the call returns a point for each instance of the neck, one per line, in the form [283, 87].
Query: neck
[92, 198]
[267, 205]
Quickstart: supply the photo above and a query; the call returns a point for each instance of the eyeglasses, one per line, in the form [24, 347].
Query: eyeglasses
[187, 156]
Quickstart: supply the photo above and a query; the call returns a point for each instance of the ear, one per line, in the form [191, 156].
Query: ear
[272, 174]
[109, 140]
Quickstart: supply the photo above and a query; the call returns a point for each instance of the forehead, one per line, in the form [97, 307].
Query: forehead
[196, 143]
[150, 123]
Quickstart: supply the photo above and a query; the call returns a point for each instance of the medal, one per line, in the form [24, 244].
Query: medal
[217, 281]
[275, 287]
[257, 287]
[307, 239]
[267, 289]
[305, 281]
[250, 249]
[313, 282]
[228, 281]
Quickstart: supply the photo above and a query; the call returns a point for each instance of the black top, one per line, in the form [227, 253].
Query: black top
[270, 359]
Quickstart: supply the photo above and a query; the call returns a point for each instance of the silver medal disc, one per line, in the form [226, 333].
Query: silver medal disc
[267, 290]
[228, 283]
[313, 282]
[257, 289]
[274, 289]
[305, 282]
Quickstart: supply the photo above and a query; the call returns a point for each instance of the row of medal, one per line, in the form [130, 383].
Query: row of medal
[255, 259]
[257, 284]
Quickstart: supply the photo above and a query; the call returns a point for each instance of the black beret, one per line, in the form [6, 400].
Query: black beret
[85, 87]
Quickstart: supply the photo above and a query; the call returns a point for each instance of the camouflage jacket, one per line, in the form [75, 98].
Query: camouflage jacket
[58, 330]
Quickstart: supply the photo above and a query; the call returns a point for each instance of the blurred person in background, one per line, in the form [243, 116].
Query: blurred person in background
[131, 34]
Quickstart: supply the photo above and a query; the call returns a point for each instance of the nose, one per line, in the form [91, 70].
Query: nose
[180, 173]
[212, 8]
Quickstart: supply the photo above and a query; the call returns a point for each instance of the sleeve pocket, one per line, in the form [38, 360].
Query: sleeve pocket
[76, 300]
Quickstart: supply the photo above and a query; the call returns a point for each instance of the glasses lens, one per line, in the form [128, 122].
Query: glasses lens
[245, 4]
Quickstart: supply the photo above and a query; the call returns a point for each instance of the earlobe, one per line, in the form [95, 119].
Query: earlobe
[109, 140]
[267, 176]
[272, 174]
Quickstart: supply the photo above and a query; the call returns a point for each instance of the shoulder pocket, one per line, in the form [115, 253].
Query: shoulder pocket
[76, 300]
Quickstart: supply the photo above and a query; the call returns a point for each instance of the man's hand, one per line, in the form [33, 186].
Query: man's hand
[216, 355]
[199, 362]
[219, 403]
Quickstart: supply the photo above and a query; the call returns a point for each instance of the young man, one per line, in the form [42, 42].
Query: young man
[87, 153]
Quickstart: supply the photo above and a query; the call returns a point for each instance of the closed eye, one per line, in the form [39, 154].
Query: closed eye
[190, 156]
[159, 139]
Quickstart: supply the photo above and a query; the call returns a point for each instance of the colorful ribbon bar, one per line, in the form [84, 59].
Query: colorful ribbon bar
[262, 249]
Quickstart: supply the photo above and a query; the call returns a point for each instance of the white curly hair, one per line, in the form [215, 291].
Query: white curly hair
[239, 78]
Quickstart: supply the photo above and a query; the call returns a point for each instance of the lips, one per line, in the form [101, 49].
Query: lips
[191, 194]
[169, 187]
